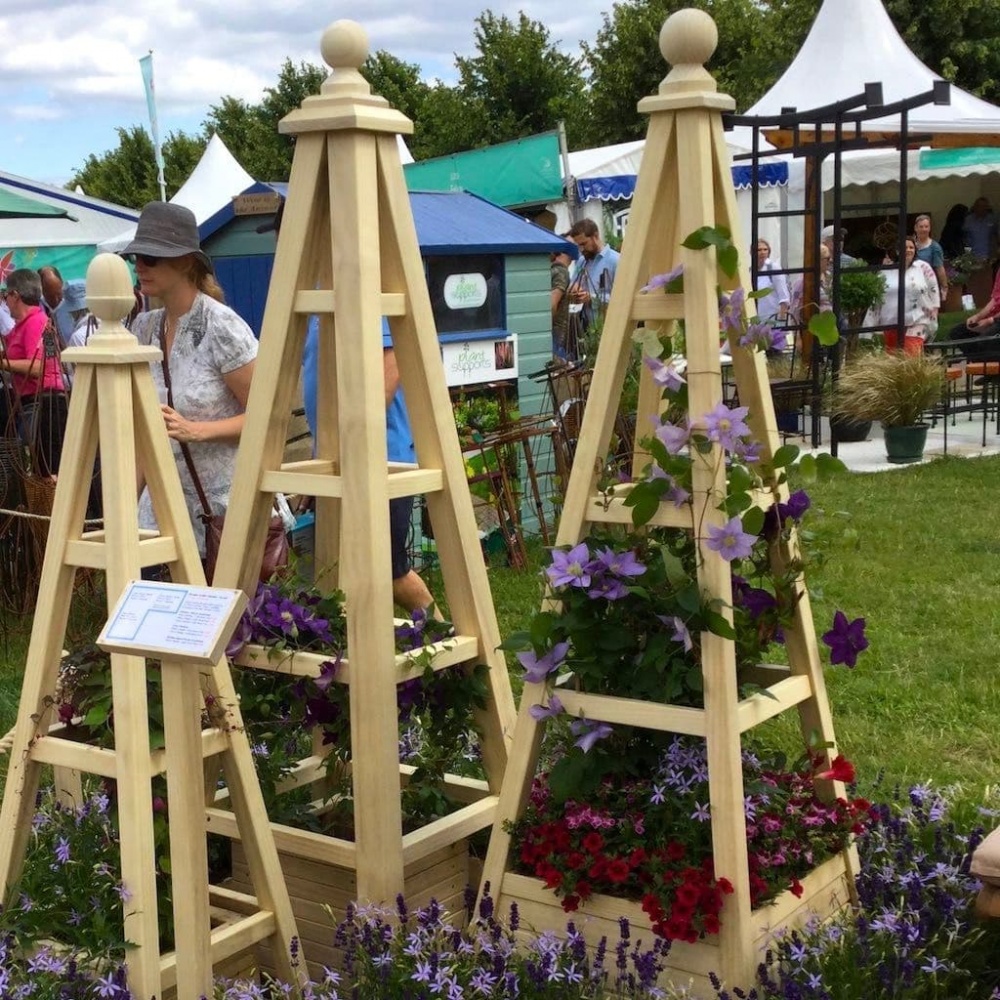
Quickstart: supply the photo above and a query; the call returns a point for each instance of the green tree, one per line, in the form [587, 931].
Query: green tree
[251, 130]
[626, 65]
[522, 82]
[127, 175]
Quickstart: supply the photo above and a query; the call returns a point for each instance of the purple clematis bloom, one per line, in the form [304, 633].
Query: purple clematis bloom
[730, 540]
[665, 375]
[727, 425]
[674, 436]
[570, 568]
[846, 639]
[796, 505]
[681, 633]
[664, 280]
[731, 311]
[619, 563]
[537, 668]
[550, 711]
[589, 733]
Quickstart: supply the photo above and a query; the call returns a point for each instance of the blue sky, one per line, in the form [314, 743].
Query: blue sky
[73, 77]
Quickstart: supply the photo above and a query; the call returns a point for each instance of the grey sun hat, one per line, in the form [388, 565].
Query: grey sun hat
[167, 230]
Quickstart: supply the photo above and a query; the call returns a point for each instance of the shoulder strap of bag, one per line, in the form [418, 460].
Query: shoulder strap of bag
[185, 451]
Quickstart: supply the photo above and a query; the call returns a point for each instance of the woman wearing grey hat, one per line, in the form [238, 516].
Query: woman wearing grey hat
[209, 353]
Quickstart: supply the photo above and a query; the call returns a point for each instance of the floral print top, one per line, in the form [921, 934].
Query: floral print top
[211, 341]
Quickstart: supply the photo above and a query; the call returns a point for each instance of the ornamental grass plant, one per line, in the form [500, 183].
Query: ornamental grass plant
[895, 389]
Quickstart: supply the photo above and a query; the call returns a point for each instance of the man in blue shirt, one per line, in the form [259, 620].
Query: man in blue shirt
[408, 589]
[591, 279]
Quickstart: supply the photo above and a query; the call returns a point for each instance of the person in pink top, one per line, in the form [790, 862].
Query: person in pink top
[31, 356]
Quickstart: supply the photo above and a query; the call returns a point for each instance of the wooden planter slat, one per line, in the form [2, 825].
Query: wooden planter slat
[320, 894]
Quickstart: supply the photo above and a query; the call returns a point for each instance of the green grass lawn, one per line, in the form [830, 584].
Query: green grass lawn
[917, 553]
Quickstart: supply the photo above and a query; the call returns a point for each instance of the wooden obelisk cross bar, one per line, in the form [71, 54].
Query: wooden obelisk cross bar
[114, 407]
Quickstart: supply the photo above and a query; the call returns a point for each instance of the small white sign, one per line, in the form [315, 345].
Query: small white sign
[464, 291]
[472, 362]
[173, 621]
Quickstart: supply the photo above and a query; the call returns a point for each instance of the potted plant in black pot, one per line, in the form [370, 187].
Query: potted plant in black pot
[896, 390]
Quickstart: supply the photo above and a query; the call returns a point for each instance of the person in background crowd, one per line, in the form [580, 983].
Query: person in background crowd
[930, 252]
[825, 303]
[75, 297]
[980, 229]
[31, 355]
[559, 270]
[6, 320]
[52, 296]
[408, 588]
[921, 300]
[984, 325]
[952, 236]
[836, 245]
[772, 307]
[209, 354]
[593, 274]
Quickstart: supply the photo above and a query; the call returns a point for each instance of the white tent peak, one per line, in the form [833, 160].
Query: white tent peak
[216, 179]
[854, 42]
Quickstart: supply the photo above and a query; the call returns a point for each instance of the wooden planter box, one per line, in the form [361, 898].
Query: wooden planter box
[320, 893]
[825, 891]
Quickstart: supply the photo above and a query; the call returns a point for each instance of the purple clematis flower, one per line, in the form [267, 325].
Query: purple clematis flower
[570, 568]
[607, 588]
[681, 632]
[665, 375]
[619, 563]
[846, 639]
[727, 425]
[589, 733]
[796, 505]
[674, 436]
[664, 280]
[730, 540]
[550, 711]
[537, 668]
[731, 311]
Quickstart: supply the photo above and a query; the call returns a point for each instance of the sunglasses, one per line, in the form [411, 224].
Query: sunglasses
[145, 258]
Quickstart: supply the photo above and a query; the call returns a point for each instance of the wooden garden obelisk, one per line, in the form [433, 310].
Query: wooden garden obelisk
[114, 406]
[348, 253]
[684, 184]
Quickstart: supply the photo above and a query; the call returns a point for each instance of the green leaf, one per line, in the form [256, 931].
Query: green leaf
[828, 466]
[644, 508]
[785, 456]
[648, 338]
[718, 625]
[677, 575]
[729, 260]
[753, 521]
[689, 598]
[823, 326]
[516, 641]
[97, 716]
[807, 469]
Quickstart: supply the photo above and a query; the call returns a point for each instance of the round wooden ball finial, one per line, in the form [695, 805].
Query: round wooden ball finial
[344, 45]
[109, 292]
[688, 37]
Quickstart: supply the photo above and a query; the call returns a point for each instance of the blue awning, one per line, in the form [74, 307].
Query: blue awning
[622, 187]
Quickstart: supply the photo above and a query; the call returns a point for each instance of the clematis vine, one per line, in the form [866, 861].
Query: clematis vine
[537, 668]
[730, 540]
[665, 374]
[846, 639]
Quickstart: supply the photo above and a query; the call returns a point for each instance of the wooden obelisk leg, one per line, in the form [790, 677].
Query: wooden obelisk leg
[418, 354]
[251, 817]
[49, 629]
[182, 705]
[615, 347]
[366, 564]
[128, 678]
[697, 208]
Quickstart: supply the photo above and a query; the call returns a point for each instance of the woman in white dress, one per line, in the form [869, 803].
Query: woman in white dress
[921, 300]
[773, 307]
